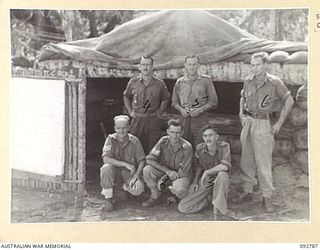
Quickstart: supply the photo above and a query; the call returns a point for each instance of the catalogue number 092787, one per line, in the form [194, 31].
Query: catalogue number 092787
[305, 246]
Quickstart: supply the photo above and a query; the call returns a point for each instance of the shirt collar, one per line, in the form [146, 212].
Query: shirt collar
[141, 79]
[206, 151]
[128, 138]
[180, 142]
[265, 79]
[186, 79]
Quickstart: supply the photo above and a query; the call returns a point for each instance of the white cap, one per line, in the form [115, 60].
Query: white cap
[121, 117]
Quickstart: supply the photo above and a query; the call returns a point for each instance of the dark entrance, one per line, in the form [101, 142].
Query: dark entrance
[104, 100]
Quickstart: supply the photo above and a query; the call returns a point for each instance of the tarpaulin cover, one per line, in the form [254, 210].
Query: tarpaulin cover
[168, 36]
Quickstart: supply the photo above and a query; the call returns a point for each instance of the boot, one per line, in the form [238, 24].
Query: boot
[108, 206]
[150, 202]
[267, 205]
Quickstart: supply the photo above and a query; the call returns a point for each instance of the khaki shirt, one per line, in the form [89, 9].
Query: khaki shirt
[194, 93]
[130, 151]
[179, 160]
[264, 97]
[146, 99]
[206, 161]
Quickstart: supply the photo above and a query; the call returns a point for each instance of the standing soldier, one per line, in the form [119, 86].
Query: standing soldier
[192, 96]
[145, 98]
[261, 95]
[123, 153]
[172, 158]
[211, 180]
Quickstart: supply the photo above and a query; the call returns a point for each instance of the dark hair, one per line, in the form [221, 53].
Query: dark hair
[148, 58]
[263, 55]
[175, 122]
[208, 126]
[192, 56]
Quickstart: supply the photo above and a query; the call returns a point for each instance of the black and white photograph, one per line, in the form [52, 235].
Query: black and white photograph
[140, 115]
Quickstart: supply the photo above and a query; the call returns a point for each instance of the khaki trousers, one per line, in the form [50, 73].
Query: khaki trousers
[193, 202]
[256, 156]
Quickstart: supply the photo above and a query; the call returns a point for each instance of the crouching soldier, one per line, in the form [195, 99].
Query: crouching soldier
[170, 158]
[122, 152]
[211, 180]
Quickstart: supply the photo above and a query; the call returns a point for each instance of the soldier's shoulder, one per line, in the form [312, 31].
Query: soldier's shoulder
[205, 76]
[249, 78]
[186, 144]
[200, 147]
[180, 79]
[163, 139]
[133, 138]
[157, 78]
[223, 144]
[273, 79]
[112, 136]
[135, 79]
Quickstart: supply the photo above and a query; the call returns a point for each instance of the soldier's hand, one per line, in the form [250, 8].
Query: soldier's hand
[207, 179]
[132, 113]
[242, 119]
[193, 188]
[195, 112]
[173, 175]
[276, 128]
[130, 167]
[184, 112]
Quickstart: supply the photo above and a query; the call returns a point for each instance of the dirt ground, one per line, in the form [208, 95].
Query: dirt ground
[33, 206]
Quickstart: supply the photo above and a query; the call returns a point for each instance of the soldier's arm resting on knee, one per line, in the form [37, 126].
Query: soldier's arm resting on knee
[154, 163]
[216, 169]
[186, 164]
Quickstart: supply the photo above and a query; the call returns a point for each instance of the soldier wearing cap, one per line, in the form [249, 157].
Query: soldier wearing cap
[171, 157]
[211, 181]
[145, 98]
[262, 94]
[122, 152]
[192, 96]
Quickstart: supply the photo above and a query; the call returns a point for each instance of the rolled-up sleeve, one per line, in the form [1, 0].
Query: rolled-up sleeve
[164, 94]
[212, 94]
[281, 90]
[108, 149]
[226, 156]
[128, 91]
[140, 155]
[155, 152]
[175, 95]
[186, 164]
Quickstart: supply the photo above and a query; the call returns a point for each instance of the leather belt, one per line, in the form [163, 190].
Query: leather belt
[257, 115]
[146, 114]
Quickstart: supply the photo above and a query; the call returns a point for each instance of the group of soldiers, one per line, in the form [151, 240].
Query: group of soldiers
[191, 161]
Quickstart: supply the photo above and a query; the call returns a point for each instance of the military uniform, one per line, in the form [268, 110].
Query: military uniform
[146, 100]
[194, 94]
[179, 160]
[217, 193]
[257, 141]
[130, 151]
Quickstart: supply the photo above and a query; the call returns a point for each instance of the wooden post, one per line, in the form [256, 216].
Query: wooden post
[82, 133]
[74, 131]
[69, 133]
